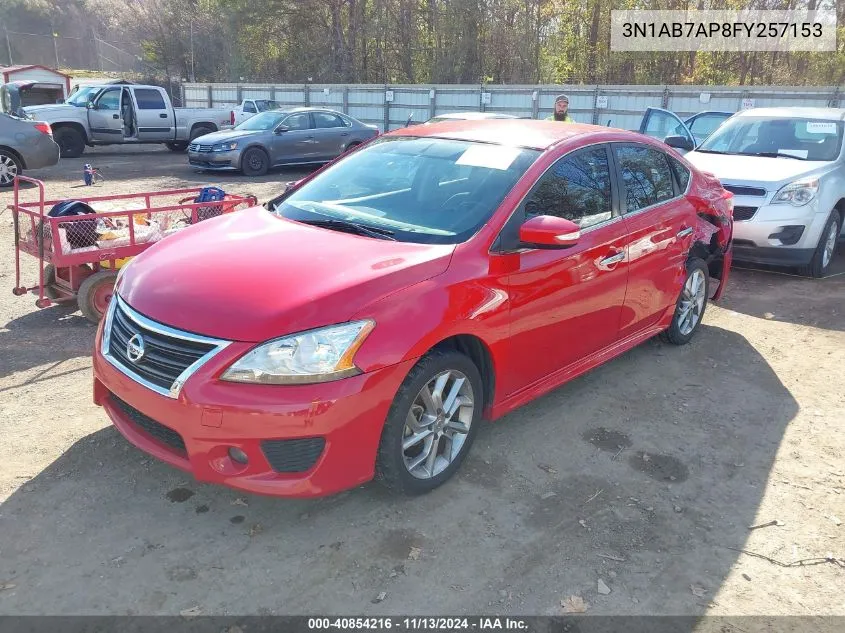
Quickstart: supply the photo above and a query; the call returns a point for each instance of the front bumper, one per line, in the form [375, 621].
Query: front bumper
[210, 416]
[756, 241]
[216, 160]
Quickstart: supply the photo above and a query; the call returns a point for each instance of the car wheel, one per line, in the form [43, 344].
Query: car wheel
[352, 146]
[95, 294]
[201, 130]
[70, 142]
[825, 249]
[255, 162]
[432, 423]
[179, 146]
[689, 309]
[10, 166]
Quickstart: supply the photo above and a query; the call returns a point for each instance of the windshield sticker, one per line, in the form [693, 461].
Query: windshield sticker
[821, 127]
[798, 153]
[489, 156]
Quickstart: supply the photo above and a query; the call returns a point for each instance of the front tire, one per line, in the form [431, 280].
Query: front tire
[71, 142]
[432, 423]
[255, 162]
[825, 249]
[689, 309]
[10, 166]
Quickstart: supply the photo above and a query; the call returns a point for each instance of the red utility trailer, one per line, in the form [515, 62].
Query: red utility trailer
[79, 255]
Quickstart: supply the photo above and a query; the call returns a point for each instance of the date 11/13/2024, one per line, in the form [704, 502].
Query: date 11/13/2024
[420, 623]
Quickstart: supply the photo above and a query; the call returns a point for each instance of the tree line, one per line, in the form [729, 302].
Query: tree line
[419, 41]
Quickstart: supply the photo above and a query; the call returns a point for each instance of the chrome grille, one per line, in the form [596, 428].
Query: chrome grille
[169, 356]
[201, 148]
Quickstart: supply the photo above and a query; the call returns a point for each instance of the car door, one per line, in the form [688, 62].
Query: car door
[566, 303]
[105, 119]
[660, 223]
[704, 124]
[154, 119]
[658, 123]
[331, 134]
[294, 142]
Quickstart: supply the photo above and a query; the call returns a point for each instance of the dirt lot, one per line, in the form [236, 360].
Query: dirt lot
[646, 474]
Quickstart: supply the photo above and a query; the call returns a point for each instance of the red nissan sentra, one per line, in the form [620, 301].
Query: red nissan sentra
[365, 324]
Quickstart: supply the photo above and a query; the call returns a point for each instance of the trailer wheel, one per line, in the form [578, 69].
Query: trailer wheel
[50, 291]
[95, 294]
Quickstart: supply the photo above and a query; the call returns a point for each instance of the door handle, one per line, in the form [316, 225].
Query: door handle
[344, 133]
[613, 259]
[162, 115]
[685, 232]
[115, 116]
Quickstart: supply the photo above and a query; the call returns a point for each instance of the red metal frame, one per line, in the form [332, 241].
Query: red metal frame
[73, 268]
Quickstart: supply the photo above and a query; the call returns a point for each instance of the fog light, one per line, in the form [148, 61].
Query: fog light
[237, 455]
[788, 235]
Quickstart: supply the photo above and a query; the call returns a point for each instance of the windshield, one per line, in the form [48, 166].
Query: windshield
[265, 104]
[81, 97]
[425, 190]
[262, 122]
[801, 138]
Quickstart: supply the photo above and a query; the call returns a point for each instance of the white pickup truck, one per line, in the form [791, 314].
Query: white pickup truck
[126, 114]
[250, 107]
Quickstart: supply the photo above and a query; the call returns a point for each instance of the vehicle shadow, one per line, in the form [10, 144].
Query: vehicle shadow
[44, 337]
[644, 472]
[780, 294]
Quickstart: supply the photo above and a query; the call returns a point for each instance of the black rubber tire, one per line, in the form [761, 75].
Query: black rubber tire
[351, 146]
[89, 290]
[255, 162]
[390, 467]
[673, 333]
[816, 268]
[178, 146]
[71, 141]
[200, 130]
[6, 154]
[49, 291]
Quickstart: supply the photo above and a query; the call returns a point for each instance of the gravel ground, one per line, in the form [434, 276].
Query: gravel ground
[646, 474]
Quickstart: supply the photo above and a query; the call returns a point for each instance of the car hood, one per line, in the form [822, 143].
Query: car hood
[769, 173]
[224, 135]
[41, 110]
[253, 276]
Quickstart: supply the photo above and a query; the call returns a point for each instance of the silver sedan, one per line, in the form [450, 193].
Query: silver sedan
[24, 144]
[299, 136]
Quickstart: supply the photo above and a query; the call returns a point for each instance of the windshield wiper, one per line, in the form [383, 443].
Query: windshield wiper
[774, 155]
[353, 227]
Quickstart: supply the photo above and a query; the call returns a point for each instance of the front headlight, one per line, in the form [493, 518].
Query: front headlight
[224, 147]
[797, 193]
[317, 355]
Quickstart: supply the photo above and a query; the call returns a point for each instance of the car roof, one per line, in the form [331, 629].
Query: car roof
[531, 134]
[831, 114]
[473, 116]
[306, 109]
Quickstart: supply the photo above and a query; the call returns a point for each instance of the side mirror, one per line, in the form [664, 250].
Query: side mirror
[549, 231]
[679, 142]
[281, 129]
[91, 106]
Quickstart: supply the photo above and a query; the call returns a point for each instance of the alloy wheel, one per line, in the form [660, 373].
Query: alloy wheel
[830, 244]
[691, 306]
[8, 169]
[437, 424]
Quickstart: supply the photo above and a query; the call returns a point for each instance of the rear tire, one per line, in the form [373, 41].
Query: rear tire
[178, 146]
[200, 130]
[71, 142]
[95, 294]
[255, 162]
[10, 166]
[691, 304]
[398, 451]
[825, 249]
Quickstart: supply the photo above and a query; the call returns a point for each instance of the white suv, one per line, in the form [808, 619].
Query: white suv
[786, 169]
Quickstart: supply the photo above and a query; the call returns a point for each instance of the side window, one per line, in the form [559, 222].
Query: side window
[646, 175]
[249, 106]
[298, 121]
[577, 188]
[148, 99]
[681, 172]
[706, 124]
[326, 120]
[109, 100]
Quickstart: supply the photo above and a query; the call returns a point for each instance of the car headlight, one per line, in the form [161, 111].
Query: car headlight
[797, 193]
[224, 147]
[319, 355]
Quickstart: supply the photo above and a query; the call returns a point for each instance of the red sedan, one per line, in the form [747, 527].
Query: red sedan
[365, 322]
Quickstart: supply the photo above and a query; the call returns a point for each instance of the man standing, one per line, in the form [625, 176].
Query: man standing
[561, 110]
